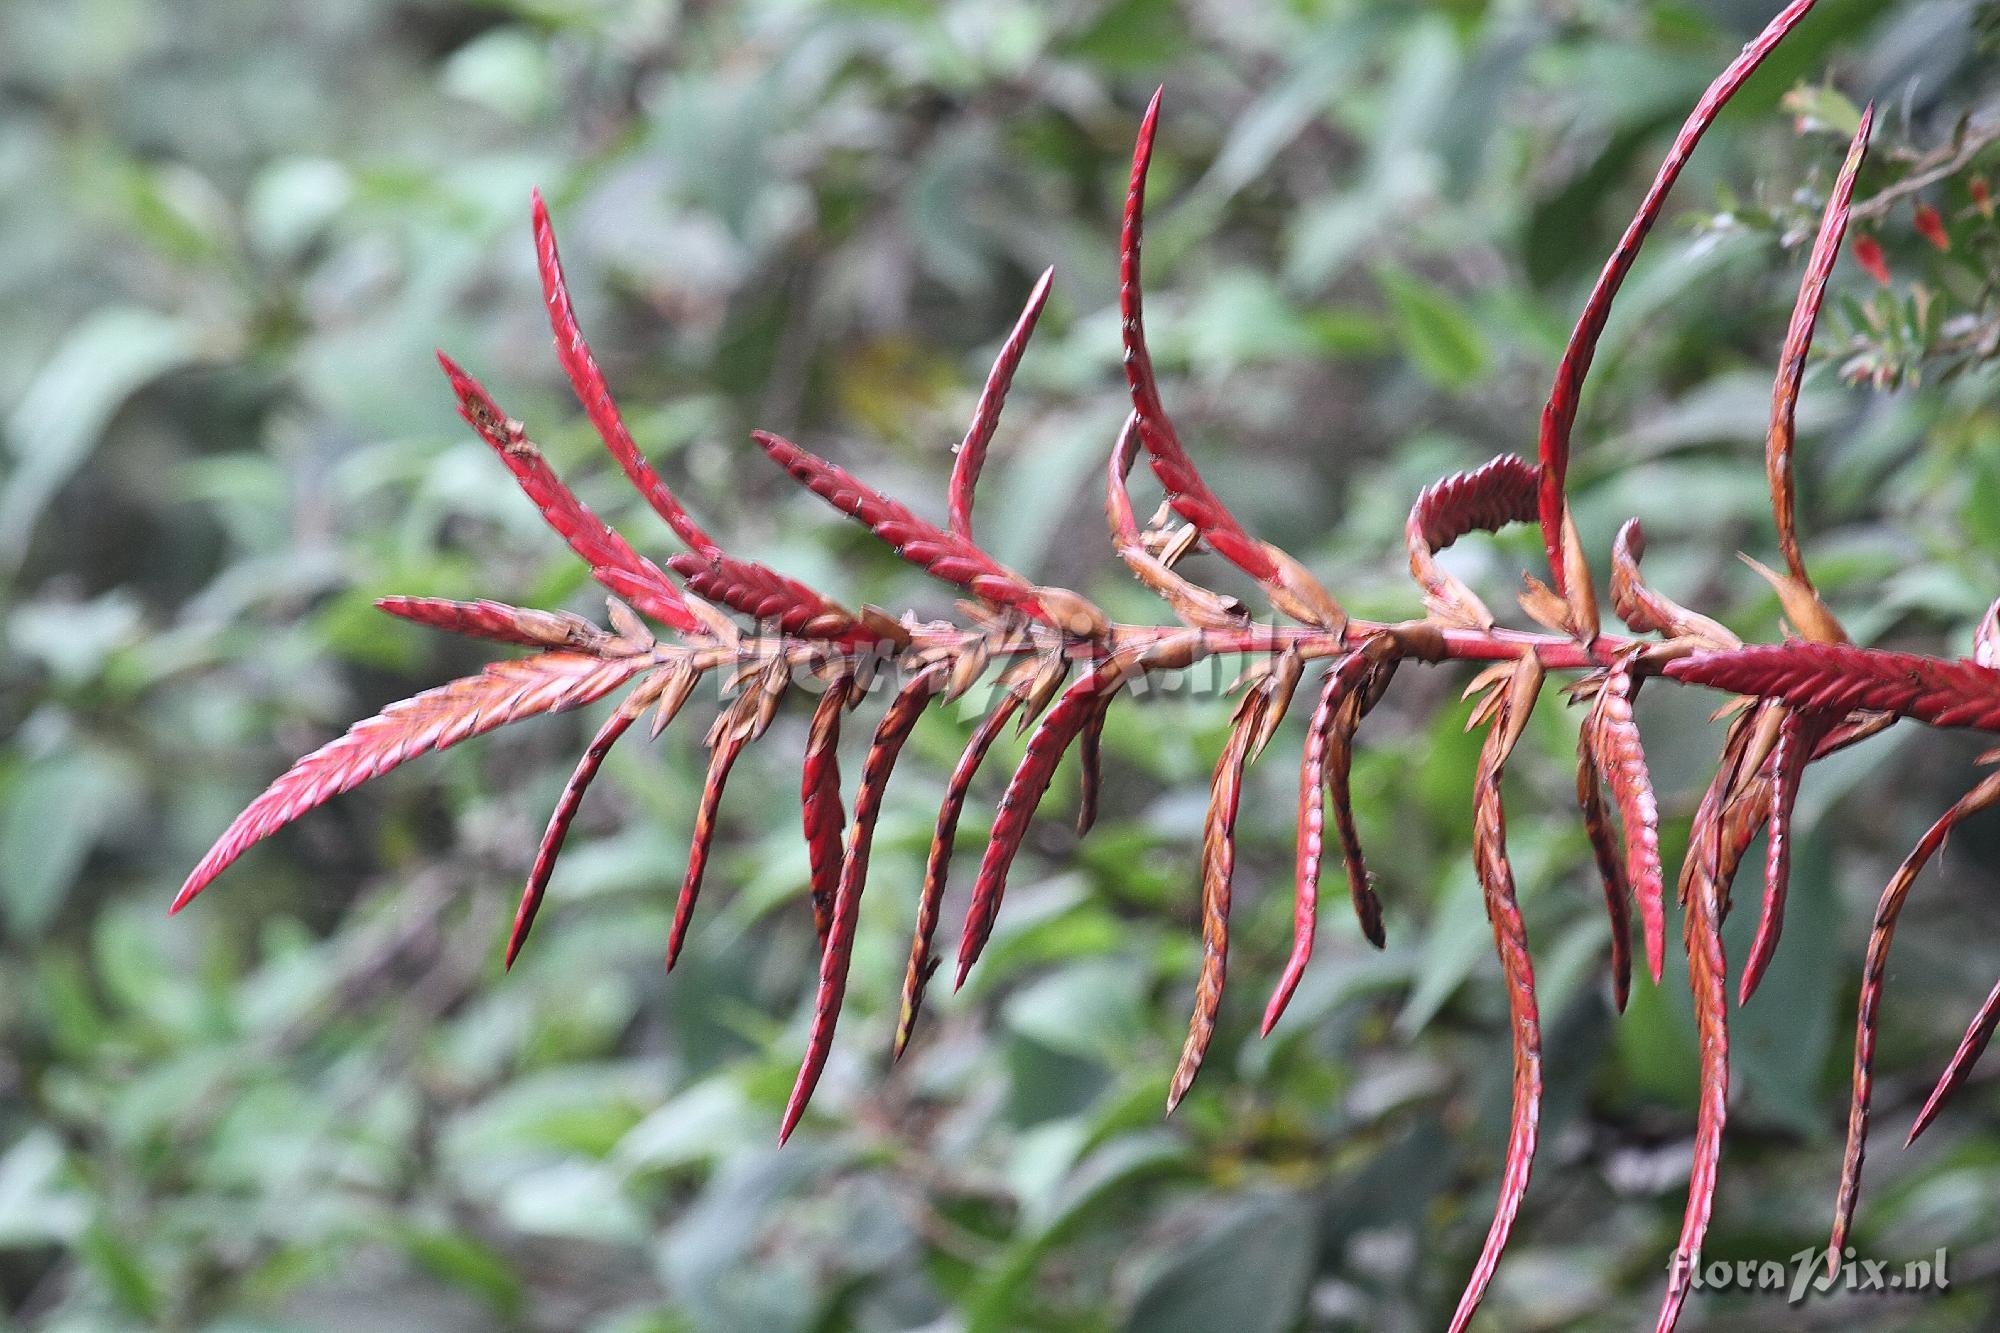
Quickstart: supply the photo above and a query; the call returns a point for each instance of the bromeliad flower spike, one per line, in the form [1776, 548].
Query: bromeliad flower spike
[1059, 665]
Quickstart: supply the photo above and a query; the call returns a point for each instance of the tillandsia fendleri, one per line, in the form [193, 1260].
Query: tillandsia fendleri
[1061, 665]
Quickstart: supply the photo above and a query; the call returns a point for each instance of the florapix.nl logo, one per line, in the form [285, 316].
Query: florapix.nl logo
[1815, 1272]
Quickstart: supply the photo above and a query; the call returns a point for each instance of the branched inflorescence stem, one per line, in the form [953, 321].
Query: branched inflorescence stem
[1057, 665]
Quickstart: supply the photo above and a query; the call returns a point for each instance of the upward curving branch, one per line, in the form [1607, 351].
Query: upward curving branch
[759, 592]
[611, 558]
[1798, 341]
[941, 554]
[1291, 588]
[1559, 413]
[986, 415]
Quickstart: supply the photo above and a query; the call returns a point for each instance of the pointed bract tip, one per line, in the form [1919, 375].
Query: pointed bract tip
[1281, 997]
[1038, 295]
[677, 934]
[1947, 1084]
[1753, 974]
[795, 1107]
[1142, 143]
[1272, 1012]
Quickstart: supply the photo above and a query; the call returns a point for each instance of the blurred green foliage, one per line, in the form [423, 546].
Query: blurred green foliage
[230, 234]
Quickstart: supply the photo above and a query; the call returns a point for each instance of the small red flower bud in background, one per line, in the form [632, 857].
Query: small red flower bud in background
[1868, 254]
[1982, 196]
[1931, 227]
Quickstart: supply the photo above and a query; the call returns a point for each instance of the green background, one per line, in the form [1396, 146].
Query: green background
[231, 234]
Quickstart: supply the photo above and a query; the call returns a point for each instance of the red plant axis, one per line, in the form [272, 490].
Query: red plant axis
[1062, 665]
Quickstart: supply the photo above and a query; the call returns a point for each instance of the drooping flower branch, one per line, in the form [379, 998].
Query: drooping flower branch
[1059, 665]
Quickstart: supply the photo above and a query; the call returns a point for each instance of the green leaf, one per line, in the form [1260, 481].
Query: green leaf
[292, 201]
[1091, 1010]
[505, 70]
[121, 1268]
[1822, 110]
[1434, 330]
[53, 813]
[1101, 1177]
[1133, 35]
[1781, 1039]
[466, 1262]
[66, 409]
[1248, 1274]
[37, 1206]
[703, 1121]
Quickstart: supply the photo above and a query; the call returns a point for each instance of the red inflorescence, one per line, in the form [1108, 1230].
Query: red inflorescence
[1062, 665]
